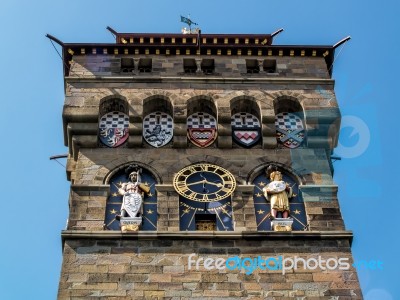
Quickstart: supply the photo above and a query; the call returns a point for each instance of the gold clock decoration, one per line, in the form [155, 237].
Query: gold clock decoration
[204, 183]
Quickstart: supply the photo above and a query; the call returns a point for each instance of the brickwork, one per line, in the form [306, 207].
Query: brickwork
[158, 269]
[293, 67]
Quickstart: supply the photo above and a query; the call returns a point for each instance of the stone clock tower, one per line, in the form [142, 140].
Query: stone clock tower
[200, 168]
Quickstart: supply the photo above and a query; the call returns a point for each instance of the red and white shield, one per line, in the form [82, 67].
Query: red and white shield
[246, 129]
[113, 129]
[246, 137]
[202, 129]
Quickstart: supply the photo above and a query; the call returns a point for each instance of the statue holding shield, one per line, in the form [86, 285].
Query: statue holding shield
[132, 192]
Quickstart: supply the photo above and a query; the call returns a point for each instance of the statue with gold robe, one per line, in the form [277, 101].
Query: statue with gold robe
[278, 192]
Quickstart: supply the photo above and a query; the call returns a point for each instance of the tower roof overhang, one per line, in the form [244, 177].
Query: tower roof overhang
[244, 45]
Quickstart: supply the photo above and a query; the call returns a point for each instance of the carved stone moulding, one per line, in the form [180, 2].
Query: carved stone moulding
[130, 224]
[282, 224]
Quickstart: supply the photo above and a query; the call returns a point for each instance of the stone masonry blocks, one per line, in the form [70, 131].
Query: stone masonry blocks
[162, 270]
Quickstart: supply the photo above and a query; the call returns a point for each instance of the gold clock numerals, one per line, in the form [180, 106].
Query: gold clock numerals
[192, 195]
[181, 185]
[192, 169]
[226, 189]
[205, 168]
[228, 182]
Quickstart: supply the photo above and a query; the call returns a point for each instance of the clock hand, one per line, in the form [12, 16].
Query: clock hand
[197, 182]
[204, 187]
[204, 183]
[209, 182]
[205, 190]
[214, 183]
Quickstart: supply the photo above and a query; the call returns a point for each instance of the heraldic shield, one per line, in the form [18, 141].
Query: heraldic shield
[158, 129]
[132, 204]
[289, 130]
[202, 129]
[114, 129]
[246, 129]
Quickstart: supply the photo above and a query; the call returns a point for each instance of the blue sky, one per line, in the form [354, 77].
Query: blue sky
[35, 191]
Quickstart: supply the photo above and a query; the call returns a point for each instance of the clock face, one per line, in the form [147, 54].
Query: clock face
[204, 183]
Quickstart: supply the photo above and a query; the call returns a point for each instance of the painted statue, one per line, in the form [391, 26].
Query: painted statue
[132, 192]
[277, 193]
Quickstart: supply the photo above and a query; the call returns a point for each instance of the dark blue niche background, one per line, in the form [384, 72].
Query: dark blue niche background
[188, 210]
[263, 207]
[114, 201]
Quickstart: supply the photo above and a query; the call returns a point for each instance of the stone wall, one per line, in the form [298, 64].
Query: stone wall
[135, 268]
[235, 66]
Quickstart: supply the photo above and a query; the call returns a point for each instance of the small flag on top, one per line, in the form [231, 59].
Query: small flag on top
[187, 21]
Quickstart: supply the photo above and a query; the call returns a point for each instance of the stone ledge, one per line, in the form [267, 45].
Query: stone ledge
[214, 235]
[214, 79]
[318, 193]
[90, 187]
[311, 186]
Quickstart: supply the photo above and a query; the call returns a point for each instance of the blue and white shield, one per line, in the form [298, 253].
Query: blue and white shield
[158, 129]
[289, 130]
